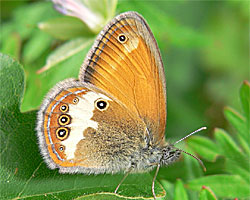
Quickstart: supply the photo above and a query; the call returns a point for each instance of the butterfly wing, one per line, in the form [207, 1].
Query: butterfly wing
[125, 62]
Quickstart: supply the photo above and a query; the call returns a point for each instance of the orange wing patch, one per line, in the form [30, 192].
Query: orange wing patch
[125, 62]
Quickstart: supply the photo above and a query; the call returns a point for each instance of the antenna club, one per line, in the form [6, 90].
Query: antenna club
[205, 169]
[198, 130]
[201, 163]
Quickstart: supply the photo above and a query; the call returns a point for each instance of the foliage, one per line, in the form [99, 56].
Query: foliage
[204, 45]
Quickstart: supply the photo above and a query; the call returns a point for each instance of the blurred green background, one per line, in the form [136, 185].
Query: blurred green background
[204, 46]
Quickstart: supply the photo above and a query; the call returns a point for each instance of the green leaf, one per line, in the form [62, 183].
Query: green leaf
[245, 145]
[65, 28]
[24, 175]
[238, 122]
[36, 46]
[226, 186]
[104, 7]
[204, 147]
[230, 149]
[245, 100]
[169, 188]
[241, 124]
[12, 78]
[207, 194]
[180, 192]
[237, 169]
[65, 51]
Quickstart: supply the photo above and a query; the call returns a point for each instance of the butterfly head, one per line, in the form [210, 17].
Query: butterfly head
[169, 155]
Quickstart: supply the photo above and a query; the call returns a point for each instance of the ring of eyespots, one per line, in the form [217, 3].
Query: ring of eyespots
[101, 104]
[122, 38]
[64, 120]
[64, 108]
[62, 133]
[61, 148]
[75, 100]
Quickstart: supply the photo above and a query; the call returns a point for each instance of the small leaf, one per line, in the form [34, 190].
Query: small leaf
[230, 149]
[207, 194]
[238, 122]
[169, 187]
[237, 169]
[226, 186]
[244, 144]
[38, 43]
[180, 192]
[65, 28]
[65, 51]
[105, 7]
[245, 100]
[204, 147]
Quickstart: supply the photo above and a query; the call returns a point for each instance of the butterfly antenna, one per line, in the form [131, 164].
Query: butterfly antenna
[199, 160]
[198, 130]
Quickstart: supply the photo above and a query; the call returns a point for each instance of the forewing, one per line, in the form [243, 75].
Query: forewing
[130, 70]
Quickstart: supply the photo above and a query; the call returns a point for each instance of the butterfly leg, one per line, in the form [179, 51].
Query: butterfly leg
[125, 176]
[153, 182]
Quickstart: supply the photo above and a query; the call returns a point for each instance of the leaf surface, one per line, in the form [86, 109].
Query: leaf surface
[227, 186]
[64, 28]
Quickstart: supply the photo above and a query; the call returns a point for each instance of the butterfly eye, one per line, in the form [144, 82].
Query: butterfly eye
[122, 38]
[64, 108]
[64, 120]
[101, 104]
[61, 148]
[62, 133]
[75, 100]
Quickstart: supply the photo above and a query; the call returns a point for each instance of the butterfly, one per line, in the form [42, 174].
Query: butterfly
[113, 117]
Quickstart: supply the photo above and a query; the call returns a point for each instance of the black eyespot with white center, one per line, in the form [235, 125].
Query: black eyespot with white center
[61, 148]
[122, 38]
[62, 133]
[64, 120]
[64, 108]
[75, 100]
[101, 104]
